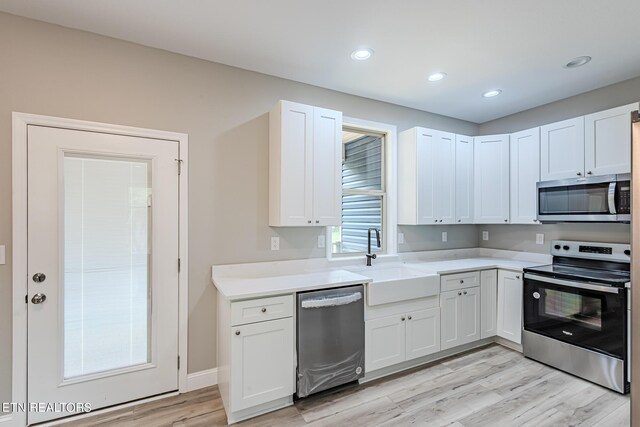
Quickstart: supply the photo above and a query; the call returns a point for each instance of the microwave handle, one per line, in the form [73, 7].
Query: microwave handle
[612, 198]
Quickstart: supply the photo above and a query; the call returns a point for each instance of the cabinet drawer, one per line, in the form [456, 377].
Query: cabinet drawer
[259, 310]
[450, 282]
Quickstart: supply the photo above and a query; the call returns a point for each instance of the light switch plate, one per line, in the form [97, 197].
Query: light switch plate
[444, 236]
[321, 241]
[400, 238]
[540, 239]
[485, 235]
[275, 243]
[2, 255]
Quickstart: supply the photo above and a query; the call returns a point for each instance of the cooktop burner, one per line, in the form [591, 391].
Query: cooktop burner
[613, 277]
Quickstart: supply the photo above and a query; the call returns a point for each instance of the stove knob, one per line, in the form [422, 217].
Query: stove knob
[557, 247]
[566, 247]
[627, 252]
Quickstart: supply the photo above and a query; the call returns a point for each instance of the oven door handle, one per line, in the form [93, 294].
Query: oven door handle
[612, 198]
[580, 285]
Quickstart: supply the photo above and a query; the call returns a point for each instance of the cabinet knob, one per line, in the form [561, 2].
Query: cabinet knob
[506, 220]
[264, 310]
[409, 317]
[309, 221]
[402, 318]
[579, 173]
[317, 221]
[459, 220]
[435, 220]
[464, 292]
[237, 332]
[517, 276]
[589, 173]
[459, 293]
[461, 281]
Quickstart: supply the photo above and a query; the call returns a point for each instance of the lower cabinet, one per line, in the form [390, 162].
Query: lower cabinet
[510, 306]
[399, 333]
[460, 317]
[488, 303]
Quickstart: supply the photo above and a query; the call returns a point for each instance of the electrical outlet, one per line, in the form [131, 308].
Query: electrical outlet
[485, 235]
[275, 243]
[444, 236]
[321, 241]
[400, 238]
[540, 239]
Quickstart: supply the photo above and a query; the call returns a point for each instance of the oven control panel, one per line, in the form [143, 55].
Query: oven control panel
[592, 250]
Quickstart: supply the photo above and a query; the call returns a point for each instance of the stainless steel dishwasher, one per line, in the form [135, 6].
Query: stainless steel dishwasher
[330, 338]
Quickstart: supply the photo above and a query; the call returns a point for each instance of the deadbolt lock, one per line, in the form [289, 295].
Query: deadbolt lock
[39, 298]
[39, 277]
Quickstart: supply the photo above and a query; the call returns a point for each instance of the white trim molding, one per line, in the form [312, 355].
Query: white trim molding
[20, 122]
[202, 379]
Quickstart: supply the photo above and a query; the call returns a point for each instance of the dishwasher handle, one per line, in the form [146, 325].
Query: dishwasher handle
[331, 302]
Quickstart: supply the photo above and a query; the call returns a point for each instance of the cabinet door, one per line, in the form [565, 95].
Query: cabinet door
[491, 179]
[444, 164]
[450, 309]
[488, 303]
[525, 173]
[263, 369]
[384, 342]
[327, 167]
[470, 310]
[426, 175]
[464, 179]
[562, 150]
[510, 306]
[423, 333]
[607, 136]
[290, 165]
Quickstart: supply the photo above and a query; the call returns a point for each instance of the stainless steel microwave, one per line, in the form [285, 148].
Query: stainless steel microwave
[604, 198]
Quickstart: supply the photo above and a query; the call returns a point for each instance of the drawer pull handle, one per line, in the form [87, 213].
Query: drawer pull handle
[264, 310]
[237, 332]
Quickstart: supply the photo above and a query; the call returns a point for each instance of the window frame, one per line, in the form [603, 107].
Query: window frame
[389, 187]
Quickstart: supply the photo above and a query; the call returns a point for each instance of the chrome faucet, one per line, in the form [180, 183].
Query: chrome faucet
[369, 255]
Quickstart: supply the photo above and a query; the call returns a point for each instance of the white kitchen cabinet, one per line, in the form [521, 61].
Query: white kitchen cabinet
[510, 305]
[525, 173]
[464, 180]
[491, 179]
[426, 177]
[562, 150]
[460, 311]
[607, 141]
[488, 303]
[305, 165]
[395, 333]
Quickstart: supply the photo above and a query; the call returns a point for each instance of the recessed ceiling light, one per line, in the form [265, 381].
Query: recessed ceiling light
[436, 76]
[362, 54]
[491, 93]
[577, 62]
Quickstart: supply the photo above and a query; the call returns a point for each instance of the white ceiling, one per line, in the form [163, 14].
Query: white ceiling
[518, 46]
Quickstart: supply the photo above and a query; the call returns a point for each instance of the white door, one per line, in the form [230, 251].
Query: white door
[444, 164]
[426, 175]
[263, 366]
[470, 309]
[423, 333]
[488, 303]
[385, 342]
[525, 174]
[510, 306]
[562, 150]
[491, 179]
[607, 141]
[450, 309]
[464, 179]
[327, 167]
[103, 250]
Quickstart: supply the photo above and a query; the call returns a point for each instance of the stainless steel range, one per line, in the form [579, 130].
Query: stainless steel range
[577, 313]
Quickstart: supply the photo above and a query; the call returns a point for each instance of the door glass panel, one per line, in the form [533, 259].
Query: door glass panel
[106, 284]
[582, 309]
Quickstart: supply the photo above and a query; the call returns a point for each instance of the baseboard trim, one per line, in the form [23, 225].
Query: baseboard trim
[202, 379]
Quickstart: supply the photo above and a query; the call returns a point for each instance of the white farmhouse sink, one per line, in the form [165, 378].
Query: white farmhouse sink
[399, 283]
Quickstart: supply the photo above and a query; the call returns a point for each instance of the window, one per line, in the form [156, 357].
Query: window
[363, 192]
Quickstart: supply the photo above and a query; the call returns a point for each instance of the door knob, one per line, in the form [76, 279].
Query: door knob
[39, 277]
[39, 298]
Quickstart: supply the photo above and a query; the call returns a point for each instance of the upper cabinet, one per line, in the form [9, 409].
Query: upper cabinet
[305, 165]
[524, 149]
[491, 179]
[562, 150]
[464, 180]
[607, 141]
[426, 177]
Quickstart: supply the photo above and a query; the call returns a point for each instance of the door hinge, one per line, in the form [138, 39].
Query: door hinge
[179, 264]
[178, 362]
[179, 161]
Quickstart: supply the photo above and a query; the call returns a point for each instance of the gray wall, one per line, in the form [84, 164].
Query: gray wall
[429, 237]
[47, 69]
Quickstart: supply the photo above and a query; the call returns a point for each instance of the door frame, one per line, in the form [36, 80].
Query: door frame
[20, 122]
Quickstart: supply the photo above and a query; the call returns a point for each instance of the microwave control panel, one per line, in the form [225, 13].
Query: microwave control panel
[623, 197]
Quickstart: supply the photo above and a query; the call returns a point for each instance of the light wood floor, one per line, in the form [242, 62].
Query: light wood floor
[493, 386]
